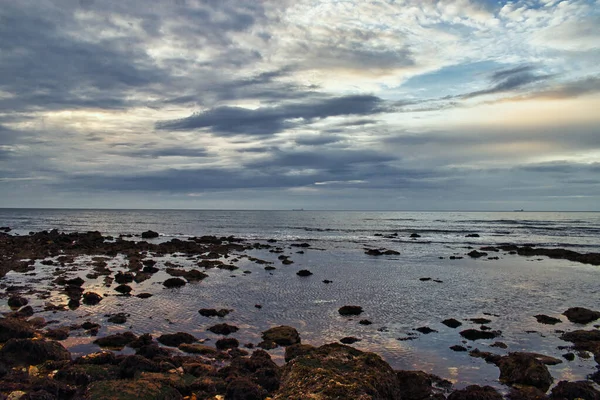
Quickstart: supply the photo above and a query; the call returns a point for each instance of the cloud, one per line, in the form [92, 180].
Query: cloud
[509, 80]
[263, 121]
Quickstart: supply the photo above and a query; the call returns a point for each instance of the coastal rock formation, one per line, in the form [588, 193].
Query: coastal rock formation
[149, 235]
[25, 352]
[350, 310]
[474, 334]
[580, 315]
[524, 369]
[475, 392]
[12, 328]
[545, 319]
[281, 335]
[336, 371]
[574, 390]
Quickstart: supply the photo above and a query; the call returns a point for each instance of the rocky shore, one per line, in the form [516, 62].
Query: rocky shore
[34, 364]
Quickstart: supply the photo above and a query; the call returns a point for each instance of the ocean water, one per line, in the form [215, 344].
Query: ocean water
[509, 291]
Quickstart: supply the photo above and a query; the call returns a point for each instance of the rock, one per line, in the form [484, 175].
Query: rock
[416, 385]
[176, 339]
[569, 356]
[149, 235]
[297, 350]
[244, 389]
[474, 334]
[174, 283]
[526, 393]
[415, 235]
[365, 322]
[472, 235]
[116, 341]
[304, 272]
[282, 335]
[119, 318]
[195, 348]
[144, 295]
[131, 389]
[17, 301]
[452, 323]
[124, 289]
[122, 278]
[349, 340]
[475, 392]
[227, 343]
[424, 279]
[11, 328]
[574, 390]
[545, 319]
[58, 333]
[327, 281]
[223, 329]
[499, 345]
[24, 312]
[458, 348]
[192, 276]
[211, 312]
[425, 330]
[524, 369]
[335, 371]
[91, 298]
[25, 352]
[132, 365]
[476, 254]
[350, 310]
[480, 320]
[580, 315]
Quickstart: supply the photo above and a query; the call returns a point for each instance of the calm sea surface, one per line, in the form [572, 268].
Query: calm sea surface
[512, 289]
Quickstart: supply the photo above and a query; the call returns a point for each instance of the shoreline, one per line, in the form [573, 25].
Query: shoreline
[60, 251]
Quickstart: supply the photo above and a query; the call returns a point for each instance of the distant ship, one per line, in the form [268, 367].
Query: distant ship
[297, 209]
[521, 210]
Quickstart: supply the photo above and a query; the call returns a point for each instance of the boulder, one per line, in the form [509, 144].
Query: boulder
[227, 343]
[297, 350]
[211, 312]
[17, 301]
[91, 298]
[474, 334]
[281, 335]
[174, 283]
[149, 235]
[416, 385]
[574, 390]
[223, 329]
[304, 272]
[580, 315]
[476, 254]
[25, 352]
[350, 310]
[122, 278]
[335, 371]
[545, 319]
[452, 323]
[475, 392]
[524, 369]
[176, 339]
[116, 341]
[11, 328]
[244, 389]
[119, 318]
[349, 340]
[123, 289]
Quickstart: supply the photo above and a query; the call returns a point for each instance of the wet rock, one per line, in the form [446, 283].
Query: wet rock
[192, 276]
[58, 333]
[132, 365]
[87, 325]
[297, 350]
[545, 319]
[580, 315]
[327, 281]
[227, 343]
[452, 323]
[122, 278]
[499, 345]
[244, 389]
[196, 348]
[474, 334]
[526, 393]
[417, 385]
[424, 279]
[25, 352]
[304, 272]
[486, 355]
[574, 390]
[11, 328]
[458, 348]
[305, 245]
[116, 341]
[475, 392]
[425, 330]
[123, 289]
[524, 369]
[24, 312]
[480, 320]
[476, 254]
[223, 329]
[211, 312]
[335, 371]
[350, 310]
[149, 235]
[131, 389]
[174, 283]
[569, 356]
[472, 235]
[282, 335]
[144, 295]
[17, 301]
[119, 318]
[91, 298]
[365, 322]
[415, 235]
[176, 339]
[349, 340]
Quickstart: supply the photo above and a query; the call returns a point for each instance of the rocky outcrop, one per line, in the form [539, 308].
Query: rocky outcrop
[580, 315]
[25, 352]
[524, 369]
[574, 390]
[350, 310]
[149, 235]
[545, 319]
[475, 392]
[281, 335]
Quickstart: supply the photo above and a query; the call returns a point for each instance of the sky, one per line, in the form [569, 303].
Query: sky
[314, 104]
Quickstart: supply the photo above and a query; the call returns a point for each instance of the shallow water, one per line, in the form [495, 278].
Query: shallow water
[513, 288]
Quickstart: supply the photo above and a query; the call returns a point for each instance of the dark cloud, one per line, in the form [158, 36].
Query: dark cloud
[265, 121]
[164, 152]
[508, 80]
[317, 140]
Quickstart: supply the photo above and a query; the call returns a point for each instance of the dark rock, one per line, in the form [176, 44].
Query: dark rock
[244, 389]
[327, 281]
[91, 298]
[11, 328]
[425, 330]
[282, 335]
[452, 323]
[58, 333]
[476, 254]
[424, 279]
[124, 289]
[415, 385]
[305, 245]
[350, 310]
[116, 341]
[569, 356]
[472, 235]
[415, 235]
[174, 283]
[545, 319]
[475, 392]
[131, 389]
[480, 320]
[580, 315]
[24, 312]
[304, 272]
[227, 343]
[458, 348]
[149, 235]
[365, 322]
[211, 312]
[335, 371]
[223, 329]
[574, 390]
[297, 350]
[25, 352]
[524, 369]
[87, 325]
[474, 334]
[349, 340]
[144, 295]
[122, 278]
[526, 393]
[499, 345]
[131, 365]
[119, 318]
[17, 301]
[176, 339]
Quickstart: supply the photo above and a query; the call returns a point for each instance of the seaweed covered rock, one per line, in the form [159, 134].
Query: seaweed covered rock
[335, 371]
[574, 390]
[116, 341]
[129, 390]
[475, 392]
[282, 335]
[524, 369]
[11, 328]
[176, 339]
[32, 352]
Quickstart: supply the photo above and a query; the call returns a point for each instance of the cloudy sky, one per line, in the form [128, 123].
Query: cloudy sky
[319, 104]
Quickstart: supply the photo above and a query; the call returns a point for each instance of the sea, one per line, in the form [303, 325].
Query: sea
[393, 290]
